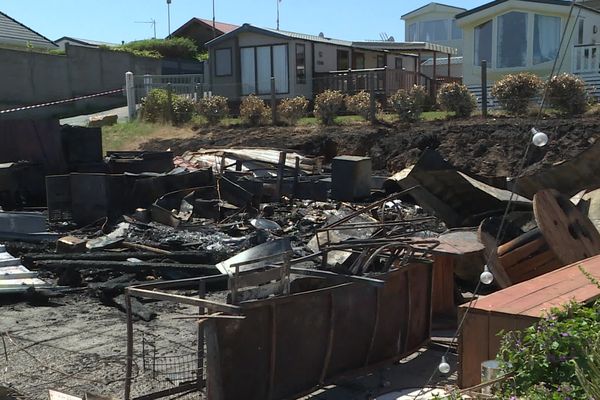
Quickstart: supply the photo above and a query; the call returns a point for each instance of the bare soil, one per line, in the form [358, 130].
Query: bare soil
[492, 147]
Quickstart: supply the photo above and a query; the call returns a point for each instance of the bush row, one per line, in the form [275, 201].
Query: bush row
[515, 93]
[564, 93]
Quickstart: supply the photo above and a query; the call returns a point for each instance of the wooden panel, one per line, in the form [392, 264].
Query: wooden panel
[442, 294]
[473, 347]
[570, 234]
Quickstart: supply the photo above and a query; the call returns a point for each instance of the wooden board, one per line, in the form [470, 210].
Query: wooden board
[442, 294]
[569, 233]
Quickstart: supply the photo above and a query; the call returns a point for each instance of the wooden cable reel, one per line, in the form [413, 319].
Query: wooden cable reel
[563, 236]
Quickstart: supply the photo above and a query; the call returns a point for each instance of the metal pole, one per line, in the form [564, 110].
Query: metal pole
[170, 101]
[169, 16]
[213, 27]
[129, 361]
[280, 173]
[130, 93]
[154, 27]
[484, 105]
[277, 13]
[273, 102]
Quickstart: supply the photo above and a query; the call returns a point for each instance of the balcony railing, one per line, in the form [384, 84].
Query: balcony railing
[586, 58]
[382, 81]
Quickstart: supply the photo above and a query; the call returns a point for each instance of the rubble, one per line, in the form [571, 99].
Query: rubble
[274, 263]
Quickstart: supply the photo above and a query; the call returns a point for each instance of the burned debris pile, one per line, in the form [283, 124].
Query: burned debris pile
[278, 262]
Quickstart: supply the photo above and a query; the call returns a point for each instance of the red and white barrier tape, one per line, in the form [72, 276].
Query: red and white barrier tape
[52, 103]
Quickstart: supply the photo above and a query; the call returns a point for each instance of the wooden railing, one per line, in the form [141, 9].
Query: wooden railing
[381, 81]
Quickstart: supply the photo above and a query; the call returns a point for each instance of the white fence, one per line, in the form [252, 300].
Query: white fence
[586, 58]
[137, 87]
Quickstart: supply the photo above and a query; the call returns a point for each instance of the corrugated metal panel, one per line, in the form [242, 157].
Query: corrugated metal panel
[13, 32]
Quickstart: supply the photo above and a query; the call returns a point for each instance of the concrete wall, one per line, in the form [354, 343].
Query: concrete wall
[29, 78]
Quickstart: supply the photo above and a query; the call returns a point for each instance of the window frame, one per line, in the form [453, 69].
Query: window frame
[499, 49]
[300, 80]
[287, 58]
[229, 50]
[533, 38]
[447, 30]
[382, 58]
[337, 59]
[412, 36]
[477, 60]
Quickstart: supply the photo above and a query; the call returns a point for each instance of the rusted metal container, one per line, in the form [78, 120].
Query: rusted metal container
[288, 345]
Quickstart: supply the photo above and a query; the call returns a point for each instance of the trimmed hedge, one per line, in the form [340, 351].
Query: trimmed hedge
[168, 48]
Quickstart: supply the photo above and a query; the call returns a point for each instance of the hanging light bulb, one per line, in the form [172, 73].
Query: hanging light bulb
[539, 139]
[486, 276]
[444, 367]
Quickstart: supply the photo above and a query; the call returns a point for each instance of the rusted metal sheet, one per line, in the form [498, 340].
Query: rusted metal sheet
[453, 196]
[288, 345]
[38, 141]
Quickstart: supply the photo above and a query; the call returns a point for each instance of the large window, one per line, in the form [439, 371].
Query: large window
[223, 62]
[430, 31]
[512, 40]
[483, 42]
[358, 60]
[261, 63]
[546, 38]
[300, 63]
[457, 33]
[343, 60]
[380, 61]
[412, 33]
[248, 64]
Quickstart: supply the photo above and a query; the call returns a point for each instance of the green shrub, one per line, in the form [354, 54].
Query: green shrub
[183, 109]
[176, 47]
[290, 110]
[156, 108]
[544, 358]
[254, 111]
[360, 104]
[515, 92]
[456, 97]
[213, 108]
[567, 94]
[408, 104]
[328, 105]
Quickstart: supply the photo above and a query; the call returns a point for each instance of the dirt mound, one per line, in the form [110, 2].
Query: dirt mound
[492, 147]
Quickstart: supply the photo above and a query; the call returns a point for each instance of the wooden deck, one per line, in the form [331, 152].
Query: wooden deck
[381, 81]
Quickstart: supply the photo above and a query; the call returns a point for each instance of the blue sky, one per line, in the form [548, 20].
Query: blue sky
[114, 20]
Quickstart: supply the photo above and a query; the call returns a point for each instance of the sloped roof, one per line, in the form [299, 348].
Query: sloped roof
[498, 2]
[280, 34]
[85, 42]
[14, 32]
[433, 4]
[221, 27]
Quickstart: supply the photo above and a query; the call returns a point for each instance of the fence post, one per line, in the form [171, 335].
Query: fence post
[170, 102]
[130, 93]
[372, 104]
[273, 102]
[484, 106]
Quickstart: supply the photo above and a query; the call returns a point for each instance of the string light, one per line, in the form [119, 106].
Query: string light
[539, 139]
[486, 276]
[444, 367]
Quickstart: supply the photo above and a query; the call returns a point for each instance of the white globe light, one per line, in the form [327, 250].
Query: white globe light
[540, 139]
[486, 276]
[444, 367]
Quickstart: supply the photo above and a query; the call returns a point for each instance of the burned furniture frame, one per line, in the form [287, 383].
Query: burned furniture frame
[256, 348]
[391, 240]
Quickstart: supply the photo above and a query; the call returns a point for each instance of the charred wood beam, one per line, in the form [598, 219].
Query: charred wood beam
[125, 266]
[187, 257]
